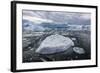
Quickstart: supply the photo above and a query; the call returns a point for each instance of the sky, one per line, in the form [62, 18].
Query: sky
[34, 20]
[39, 17]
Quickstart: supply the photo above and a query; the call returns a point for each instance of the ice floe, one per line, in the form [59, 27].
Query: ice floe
[78, 50]
[54, 44]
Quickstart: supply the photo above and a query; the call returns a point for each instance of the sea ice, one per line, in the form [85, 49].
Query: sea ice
[79, 50]
[54, 44]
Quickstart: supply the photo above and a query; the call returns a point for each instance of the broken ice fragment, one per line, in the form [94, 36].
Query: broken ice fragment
[78, 50]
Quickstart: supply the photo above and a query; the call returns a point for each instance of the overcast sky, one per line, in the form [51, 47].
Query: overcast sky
[39, 17]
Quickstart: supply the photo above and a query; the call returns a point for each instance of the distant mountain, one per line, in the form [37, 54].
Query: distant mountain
[53, 25]
[27, 25]
[30, 26]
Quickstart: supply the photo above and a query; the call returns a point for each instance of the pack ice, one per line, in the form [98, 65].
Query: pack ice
[54, 44]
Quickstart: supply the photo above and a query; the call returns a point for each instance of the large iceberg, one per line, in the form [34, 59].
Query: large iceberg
[54, 44]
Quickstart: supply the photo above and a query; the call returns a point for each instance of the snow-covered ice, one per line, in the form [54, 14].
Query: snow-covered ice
[79, 50]
[54, 44]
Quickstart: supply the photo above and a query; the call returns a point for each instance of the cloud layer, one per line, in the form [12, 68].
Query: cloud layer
[34, 19]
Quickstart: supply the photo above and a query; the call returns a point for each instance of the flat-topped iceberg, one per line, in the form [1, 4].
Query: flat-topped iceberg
[54, 44]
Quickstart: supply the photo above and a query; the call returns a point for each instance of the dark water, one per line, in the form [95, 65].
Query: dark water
[82, 40]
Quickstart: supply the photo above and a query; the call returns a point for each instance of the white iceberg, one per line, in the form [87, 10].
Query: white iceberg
[78, 50]
[54, 44]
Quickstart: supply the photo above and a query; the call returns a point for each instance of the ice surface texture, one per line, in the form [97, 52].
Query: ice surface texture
[54, 44]
[79, 50]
